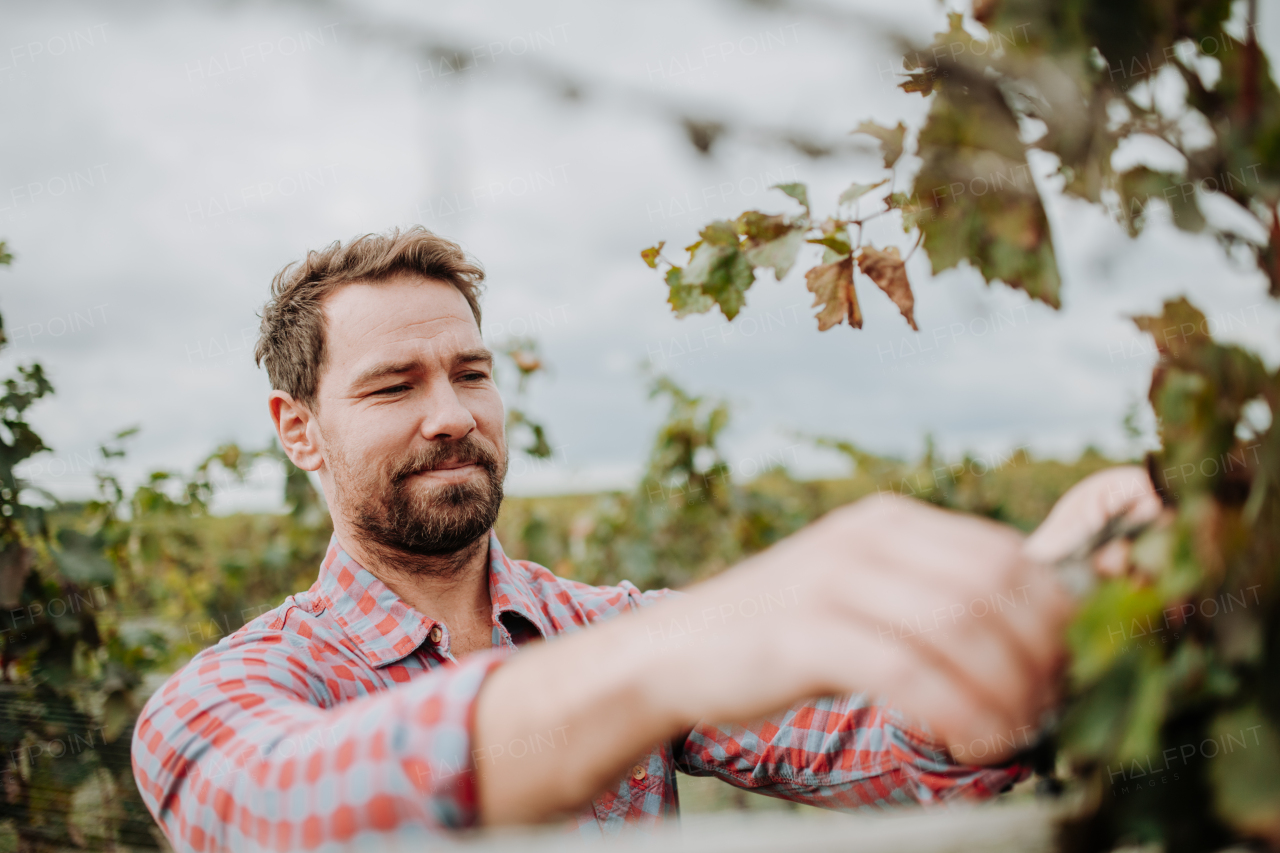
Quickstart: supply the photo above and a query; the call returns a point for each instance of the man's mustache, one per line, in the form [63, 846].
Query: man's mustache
[466, 451]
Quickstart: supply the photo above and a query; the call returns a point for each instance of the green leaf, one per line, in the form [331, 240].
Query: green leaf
[80, 559]
[1245, 771]
[890, 140]
[857, 191]
[980, 203]
[727, 283]
[650, 255]
[686, 299]
[797, 191]
[835, 242]
[1092, 724]
[706, 260]
[1147, 707]
[1140, 185]
[1111, 620]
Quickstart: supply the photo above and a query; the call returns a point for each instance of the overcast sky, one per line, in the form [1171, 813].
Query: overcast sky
[162, 161]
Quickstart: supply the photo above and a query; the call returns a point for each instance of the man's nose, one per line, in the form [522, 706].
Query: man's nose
[446, 418]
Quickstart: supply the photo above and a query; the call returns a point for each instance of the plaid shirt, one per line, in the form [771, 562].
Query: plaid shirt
[341, 717]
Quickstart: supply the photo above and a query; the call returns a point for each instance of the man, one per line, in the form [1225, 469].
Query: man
[390, 698]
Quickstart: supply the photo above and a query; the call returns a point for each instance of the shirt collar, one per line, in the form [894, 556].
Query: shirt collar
[387, 629]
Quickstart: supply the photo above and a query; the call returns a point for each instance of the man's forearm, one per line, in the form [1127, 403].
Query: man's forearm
[595, 687]
[619, 688]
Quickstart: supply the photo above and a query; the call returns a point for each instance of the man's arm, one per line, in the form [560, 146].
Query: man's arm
[843, 753]
[247, 749]
[861, 570]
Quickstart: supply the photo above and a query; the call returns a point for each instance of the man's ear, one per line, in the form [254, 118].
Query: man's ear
[298, 430]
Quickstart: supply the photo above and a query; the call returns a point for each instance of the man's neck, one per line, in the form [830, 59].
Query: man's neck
[453, 589]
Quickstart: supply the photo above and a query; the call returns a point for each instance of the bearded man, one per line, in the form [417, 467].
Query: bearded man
[428, 683]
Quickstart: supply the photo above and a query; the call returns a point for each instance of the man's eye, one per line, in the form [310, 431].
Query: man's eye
[473, 377]
[394, 389]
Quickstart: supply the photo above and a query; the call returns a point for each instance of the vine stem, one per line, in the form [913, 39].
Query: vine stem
[919, 240]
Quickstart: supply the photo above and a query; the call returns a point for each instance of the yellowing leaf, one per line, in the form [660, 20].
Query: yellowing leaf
[890, 139]
[1178, 331]
[834, 242]
[887, 269]
[857, 191]
[759, 227]
[832, 288]
[720, 233]
[920, 81]
[650, 255]
[771, 241]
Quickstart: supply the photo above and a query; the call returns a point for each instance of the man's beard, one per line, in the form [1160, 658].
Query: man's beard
[433, 522]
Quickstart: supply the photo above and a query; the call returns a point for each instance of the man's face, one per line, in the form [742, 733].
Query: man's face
[409, 415]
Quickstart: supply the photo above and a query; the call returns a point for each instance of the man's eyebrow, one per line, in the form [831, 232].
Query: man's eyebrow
[387, 368]
[478, 354]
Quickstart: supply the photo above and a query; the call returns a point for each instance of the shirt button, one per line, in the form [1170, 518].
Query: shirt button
[638, 773]
[435, 635]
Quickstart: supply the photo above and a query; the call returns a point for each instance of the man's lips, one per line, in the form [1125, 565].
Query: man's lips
[446, 467]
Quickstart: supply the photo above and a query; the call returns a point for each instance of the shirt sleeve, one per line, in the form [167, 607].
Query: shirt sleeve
[840, 753]
[246, 749]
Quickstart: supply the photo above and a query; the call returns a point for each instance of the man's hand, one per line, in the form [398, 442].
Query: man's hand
[953, 619]
[1086, 507]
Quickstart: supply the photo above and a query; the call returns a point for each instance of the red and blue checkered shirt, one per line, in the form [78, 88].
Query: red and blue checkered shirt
[340, 718]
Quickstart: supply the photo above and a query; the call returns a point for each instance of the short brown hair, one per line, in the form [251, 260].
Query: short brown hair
[291, 338]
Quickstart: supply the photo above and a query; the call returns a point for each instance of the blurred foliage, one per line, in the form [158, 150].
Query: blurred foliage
[525, 356]
[691, 517]
[1156, 672]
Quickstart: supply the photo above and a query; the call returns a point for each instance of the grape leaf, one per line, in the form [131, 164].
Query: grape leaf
[686, 299]
[857, 191]
[887, 269]
[834, 242]
[890, 139]
[1181, 328]
[650, 255]
[1140, 184]
[912, 212]
[1242, 768]
[797, 191]
[727, 284]
[979, 201]
[832, 288]
[722, 232]
[771, 241]
[759, 228]
[720, 270]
